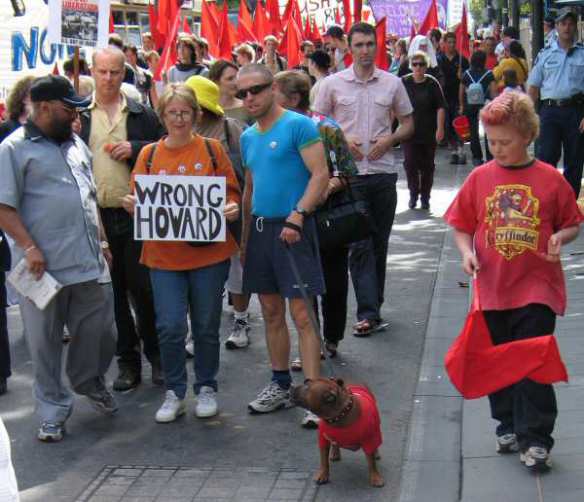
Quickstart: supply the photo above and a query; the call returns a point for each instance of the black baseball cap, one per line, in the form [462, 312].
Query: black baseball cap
[56, 87]
[335, 31]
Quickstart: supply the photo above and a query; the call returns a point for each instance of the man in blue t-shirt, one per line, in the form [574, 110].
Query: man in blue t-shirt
[286, 177]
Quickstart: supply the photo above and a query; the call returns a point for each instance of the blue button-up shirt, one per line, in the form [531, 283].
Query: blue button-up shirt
[558, 74]
[51, 187]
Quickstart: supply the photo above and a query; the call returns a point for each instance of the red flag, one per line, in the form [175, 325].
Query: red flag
[111, 23]
[292, 12]
[226, 35]
[168, 57]
[291, 41]
[244, 24]
[273, 10]
[315, 35]
[430, 21]
[358, 6]
[56, 68]
[306, 31]
[153, 17]
[477, 368]
[186, 28]
[462, 38]
[347, 15]
[210, 27]
[338, 16]
[261, 25]
[381, 60]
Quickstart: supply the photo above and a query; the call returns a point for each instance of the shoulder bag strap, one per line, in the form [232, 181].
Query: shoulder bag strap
[211, 154]
[151, 157]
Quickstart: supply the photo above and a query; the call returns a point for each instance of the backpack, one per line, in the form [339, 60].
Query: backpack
[475, 94]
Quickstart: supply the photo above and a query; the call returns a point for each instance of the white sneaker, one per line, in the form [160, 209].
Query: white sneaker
[206, 403]
[171, 409]
[507, 443]
[271, 398]
[238, 338]
[190, 347]
[309, 420]
[536, 459]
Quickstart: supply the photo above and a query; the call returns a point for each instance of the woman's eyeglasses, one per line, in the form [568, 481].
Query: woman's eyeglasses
[184, 115]
[253, 90]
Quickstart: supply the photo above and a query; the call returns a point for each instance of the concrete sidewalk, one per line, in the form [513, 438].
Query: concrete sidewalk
[451, 447]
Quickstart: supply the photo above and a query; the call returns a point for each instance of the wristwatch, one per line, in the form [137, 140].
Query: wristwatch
[301, 211]
[104, 245]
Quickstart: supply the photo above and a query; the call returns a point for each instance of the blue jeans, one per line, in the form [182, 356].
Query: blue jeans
[199, 292]
[559, 129]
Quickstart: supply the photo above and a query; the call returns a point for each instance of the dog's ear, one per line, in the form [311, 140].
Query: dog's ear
[329, 397]
[340, 382]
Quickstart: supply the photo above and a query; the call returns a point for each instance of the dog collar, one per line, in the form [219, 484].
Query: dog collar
[344, 412]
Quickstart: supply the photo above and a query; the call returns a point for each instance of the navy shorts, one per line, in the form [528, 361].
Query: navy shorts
[267, 267]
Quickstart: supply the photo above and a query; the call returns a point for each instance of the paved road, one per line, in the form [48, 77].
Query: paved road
[236, 456]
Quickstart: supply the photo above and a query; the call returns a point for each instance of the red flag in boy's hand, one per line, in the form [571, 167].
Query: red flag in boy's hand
[478, 368]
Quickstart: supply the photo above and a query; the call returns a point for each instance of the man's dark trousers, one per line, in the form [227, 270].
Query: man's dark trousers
[559, 128]
[368, 259]
[131, 282]
[4, 345]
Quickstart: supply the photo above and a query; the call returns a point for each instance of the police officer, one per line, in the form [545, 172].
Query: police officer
[556, 83]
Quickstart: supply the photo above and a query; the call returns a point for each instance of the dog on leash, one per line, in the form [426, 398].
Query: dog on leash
[349, 419]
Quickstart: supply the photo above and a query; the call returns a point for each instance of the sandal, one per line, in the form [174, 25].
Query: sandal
[365, 328]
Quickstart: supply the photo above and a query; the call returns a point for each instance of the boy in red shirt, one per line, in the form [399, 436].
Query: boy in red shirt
[511, 218]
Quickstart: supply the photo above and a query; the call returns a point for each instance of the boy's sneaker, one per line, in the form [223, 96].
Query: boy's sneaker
[271, 398]
[171, 409]
[238, 338]
[507, 443]
[536, 459]
[309, 420]
[206, 403]
[103, 400]
[51, 432]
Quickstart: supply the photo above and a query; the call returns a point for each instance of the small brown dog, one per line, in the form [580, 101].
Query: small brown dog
[349, 419]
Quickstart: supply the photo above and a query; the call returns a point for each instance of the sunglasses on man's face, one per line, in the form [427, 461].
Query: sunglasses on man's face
[419, 63]
[253, 90]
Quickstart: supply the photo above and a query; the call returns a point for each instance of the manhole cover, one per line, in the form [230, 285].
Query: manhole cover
[125, 483]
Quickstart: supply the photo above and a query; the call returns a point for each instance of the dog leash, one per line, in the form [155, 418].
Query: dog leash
[309, 308]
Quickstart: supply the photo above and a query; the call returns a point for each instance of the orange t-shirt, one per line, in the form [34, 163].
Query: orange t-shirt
[194, 160]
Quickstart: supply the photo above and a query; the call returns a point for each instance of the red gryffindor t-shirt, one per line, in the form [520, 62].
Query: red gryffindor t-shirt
[512, 213]
[364, 433]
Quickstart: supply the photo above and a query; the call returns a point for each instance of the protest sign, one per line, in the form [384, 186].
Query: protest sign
[401, 14]
[180, 208]
[81, 23]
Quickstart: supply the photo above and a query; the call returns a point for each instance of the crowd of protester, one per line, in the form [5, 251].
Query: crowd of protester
[286, 140]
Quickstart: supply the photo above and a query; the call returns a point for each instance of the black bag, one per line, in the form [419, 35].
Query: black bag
[342, 220]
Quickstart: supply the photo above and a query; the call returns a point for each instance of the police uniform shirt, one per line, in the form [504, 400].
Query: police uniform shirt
[51, 187]
[558, 74]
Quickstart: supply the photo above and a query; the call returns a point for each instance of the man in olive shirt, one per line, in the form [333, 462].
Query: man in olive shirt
[116, 128]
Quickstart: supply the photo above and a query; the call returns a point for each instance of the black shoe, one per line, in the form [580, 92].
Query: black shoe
[413, 202]
[128, 379]
[425, 204]
[157, 375]
[454, 158]
[3, 386]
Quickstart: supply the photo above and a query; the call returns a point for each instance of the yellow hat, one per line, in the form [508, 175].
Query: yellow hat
[207, 93]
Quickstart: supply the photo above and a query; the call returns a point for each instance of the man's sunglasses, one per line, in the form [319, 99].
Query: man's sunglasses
[253, 90]
[419, 64]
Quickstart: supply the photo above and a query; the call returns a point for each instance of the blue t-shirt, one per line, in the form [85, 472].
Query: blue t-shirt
[273, 157]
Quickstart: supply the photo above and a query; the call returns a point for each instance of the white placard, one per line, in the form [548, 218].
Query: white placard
[82, 23]
[180, 208]
[39, 292]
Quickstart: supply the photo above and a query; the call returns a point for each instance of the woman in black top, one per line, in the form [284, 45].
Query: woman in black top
[477, 73]
[429, 110]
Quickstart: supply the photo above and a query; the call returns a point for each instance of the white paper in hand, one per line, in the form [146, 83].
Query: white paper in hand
[39, 292]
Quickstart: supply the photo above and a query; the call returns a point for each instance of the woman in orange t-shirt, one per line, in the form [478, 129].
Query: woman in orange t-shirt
[187, 278]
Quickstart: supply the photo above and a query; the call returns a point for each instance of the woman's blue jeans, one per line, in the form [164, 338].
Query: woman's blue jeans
[176, 293]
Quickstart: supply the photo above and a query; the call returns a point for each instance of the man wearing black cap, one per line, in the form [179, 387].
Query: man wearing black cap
[556, 84]
[48, 206]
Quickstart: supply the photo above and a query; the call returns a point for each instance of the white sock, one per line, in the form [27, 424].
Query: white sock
[240, 316]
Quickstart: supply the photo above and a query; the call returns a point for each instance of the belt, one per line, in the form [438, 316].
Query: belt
[578, 99]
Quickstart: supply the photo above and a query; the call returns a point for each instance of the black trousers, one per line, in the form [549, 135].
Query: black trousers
[528, 409]
[472, 114]
[131, 284]
[4, 345]
[335, 267]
